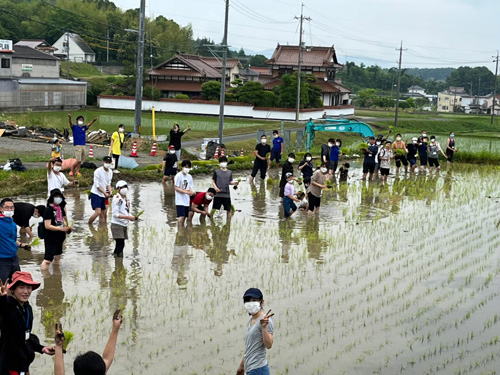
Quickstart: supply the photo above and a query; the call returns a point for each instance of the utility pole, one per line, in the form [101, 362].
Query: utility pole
[107, 46]
[494, 91]
[140, 69]
[399, 83]
[223, 78]
[301, 19]
[67, 56]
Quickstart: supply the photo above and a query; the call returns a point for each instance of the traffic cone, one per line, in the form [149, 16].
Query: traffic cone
[91, 151]
[222, 153]
[134, 150]
[242, 153]
[153, 149]
[216, 155]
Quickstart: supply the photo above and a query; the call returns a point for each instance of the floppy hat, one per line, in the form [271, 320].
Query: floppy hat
[253, 293]
[23, 277]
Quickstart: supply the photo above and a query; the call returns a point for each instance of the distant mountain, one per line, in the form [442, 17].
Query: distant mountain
[437, 74]
[268, 52]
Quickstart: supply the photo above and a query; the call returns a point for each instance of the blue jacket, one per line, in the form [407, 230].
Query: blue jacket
[8, 236]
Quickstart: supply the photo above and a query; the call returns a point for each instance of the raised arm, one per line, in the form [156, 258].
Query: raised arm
[92, 122]
[70, 121]
[109, 351]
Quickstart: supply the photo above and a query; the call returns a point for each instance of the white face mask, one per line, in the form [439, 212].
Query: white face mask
[276, 136]
[8, 213]
[398, 138]
[57, 168]
[337, 144]
[108, 165]
[185, 170]
[308, 158]
[172, 152]
[324, 170]
[290, 182]
[120, 130]
[252, 307]
[123, 191]
[263, 141]
[415, 142]
[223, 164]
[330, 144]
[433, 140]
[208, 197]
[424, 134]
[58, 200]
[80, 122]
[378, 143]
[291, 160]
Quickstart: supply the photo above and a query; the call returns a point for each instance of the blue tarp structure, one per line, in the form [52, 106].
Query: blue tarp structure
[127, 163]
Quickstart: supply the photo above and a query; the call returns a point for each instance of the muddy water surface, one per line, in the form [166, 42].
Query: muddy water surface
[401, 278]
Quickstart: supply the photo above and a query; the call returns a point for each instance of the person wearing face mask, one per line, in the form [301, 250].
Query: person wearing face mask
[422, 136]
[101, 191]
[222, 179]
[422, 152]
[289, 206]
[399, 144]
[306, 167]
[23, 213]
[334, 157]
[369, 160]
[277, 149]
[433, 149]
[259, 335]
[260, 162]
[287, 168]
[326, 151]
[200, 204]
[318, 181]
[56, 227]
[175, 138]
[121, 216]
[385, 156]
[9, 262]
[380, 146]
[184, 189]
[413, 153]
[168, 166]
[115, 148]
[450, 148]
[55, 178]
[79, 141]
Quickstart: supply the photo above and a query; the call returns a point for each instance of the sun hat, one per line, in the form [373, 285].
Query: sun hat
[53, 193]
[253, 293]
[23, 277]
[288, 174]
[121, 184]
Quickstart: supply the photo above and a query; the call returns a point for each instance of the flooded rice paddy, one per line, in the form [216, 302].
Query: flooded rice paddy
[394, 279]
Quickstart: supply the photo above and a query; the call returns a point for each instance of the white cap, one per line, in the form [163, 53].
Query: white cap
[121, 183]
[414, 139]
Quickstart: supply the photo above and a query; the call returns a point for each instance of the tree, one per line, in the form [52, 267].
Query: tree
[366, 98]
[422, 102]
[251, 92]
[211, 90]
[310, 94]
[411, 103]
[481, 78]
[258, 60]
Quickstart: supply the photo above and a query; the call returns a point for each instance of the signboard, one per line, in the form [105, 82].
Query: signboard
[27, 67]
[5, 45]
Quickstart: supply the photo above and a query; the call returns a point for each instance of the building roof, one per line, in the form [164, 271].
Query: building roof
[49, 81]
[24, 52]
[195, 62]
[249, 72]
[326, 86]
[35, 43]
[81, 43]
[261, 69]
[311, 56]
[217, 63]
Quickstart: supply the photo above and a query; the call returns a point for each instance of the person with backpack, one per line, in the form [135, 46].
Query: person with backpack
[115, 148]
[433, 149]
[385, 155]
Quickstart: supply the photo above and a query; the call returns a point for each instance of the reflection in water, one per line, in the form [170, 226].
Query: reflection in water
[315, 244]
[118, 287]
[182, 256]
[285, 229]
[259, 199]
[168, 205]
[217, 251]
[51, 299]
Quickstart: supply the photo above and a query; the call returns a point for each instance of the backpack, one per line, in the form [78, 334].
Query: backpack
[89, 165]
[17, 165]
[41, 230]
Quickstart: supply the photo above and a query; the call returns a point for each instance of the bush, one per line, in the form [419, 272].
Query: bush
[153, 94]
[181, 96]
[211, 90]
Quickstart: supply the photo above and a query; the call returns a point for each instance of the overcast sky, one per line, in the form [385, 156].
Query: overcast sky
[436, 33]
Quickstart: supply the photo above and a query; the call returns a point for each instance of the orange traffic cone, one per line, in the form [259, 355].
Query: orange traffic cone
[242, 153]
[222, 153]
[153, 149]
[134, 150]
[91, 151]
[216, 155]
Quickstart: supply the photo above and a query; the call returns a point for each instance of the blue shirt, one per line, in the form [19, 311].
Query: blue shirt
[8, 236]
[78, 134]
[422, 149]
[334, 153]
[370, 154]
[277, 144]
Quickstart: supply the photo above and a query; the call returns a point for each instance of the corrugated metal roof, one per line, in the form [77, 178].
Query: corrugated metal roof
[48, 81]
[81, 43]
[24, 52]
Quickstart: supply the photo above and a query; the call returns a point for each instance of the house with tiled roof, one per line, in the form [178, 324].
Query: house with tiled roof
[320, 62]
[184, 74]
[38, 44]
[79, 50]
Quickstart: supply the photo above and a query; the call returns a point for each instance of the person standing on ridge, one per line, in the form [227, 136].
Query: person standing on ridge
[79, 141]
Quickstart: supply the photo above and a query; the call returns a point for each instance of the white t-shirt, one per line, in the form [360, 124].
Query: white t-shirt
[101, 179]
[56, 181]
[120, 206]
[185, 182]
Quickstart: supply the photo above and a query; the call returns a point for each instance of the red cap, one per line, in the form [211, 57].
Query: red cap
[169, 147]
[23, 277]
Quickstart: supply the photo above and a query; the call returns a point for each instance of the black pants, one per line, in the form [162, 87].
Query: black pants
[119, 245]
[7, 267]
[259, 165]
[116, 157]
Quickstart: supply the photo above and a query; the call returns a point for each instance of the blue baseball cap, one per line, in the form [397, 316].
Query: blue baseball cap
[253, 293]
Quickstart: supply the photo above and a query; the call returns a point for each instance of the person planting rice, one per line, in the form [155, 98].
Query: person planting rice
[169, 165]
[385, 155]
[343, 172]
[450, 148]
[89, 363]
[287, 168]
[201, 203]
[400, 158]
[18, 344]
[413, 153]
[222, 179]
[318, 181]
[369, 160]
[289, 198]
[184, 186]
[259, 335]
[101, 191]
[260, 162]
[306, 167]
[433, 149]
[121, 217]
[422, 151]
